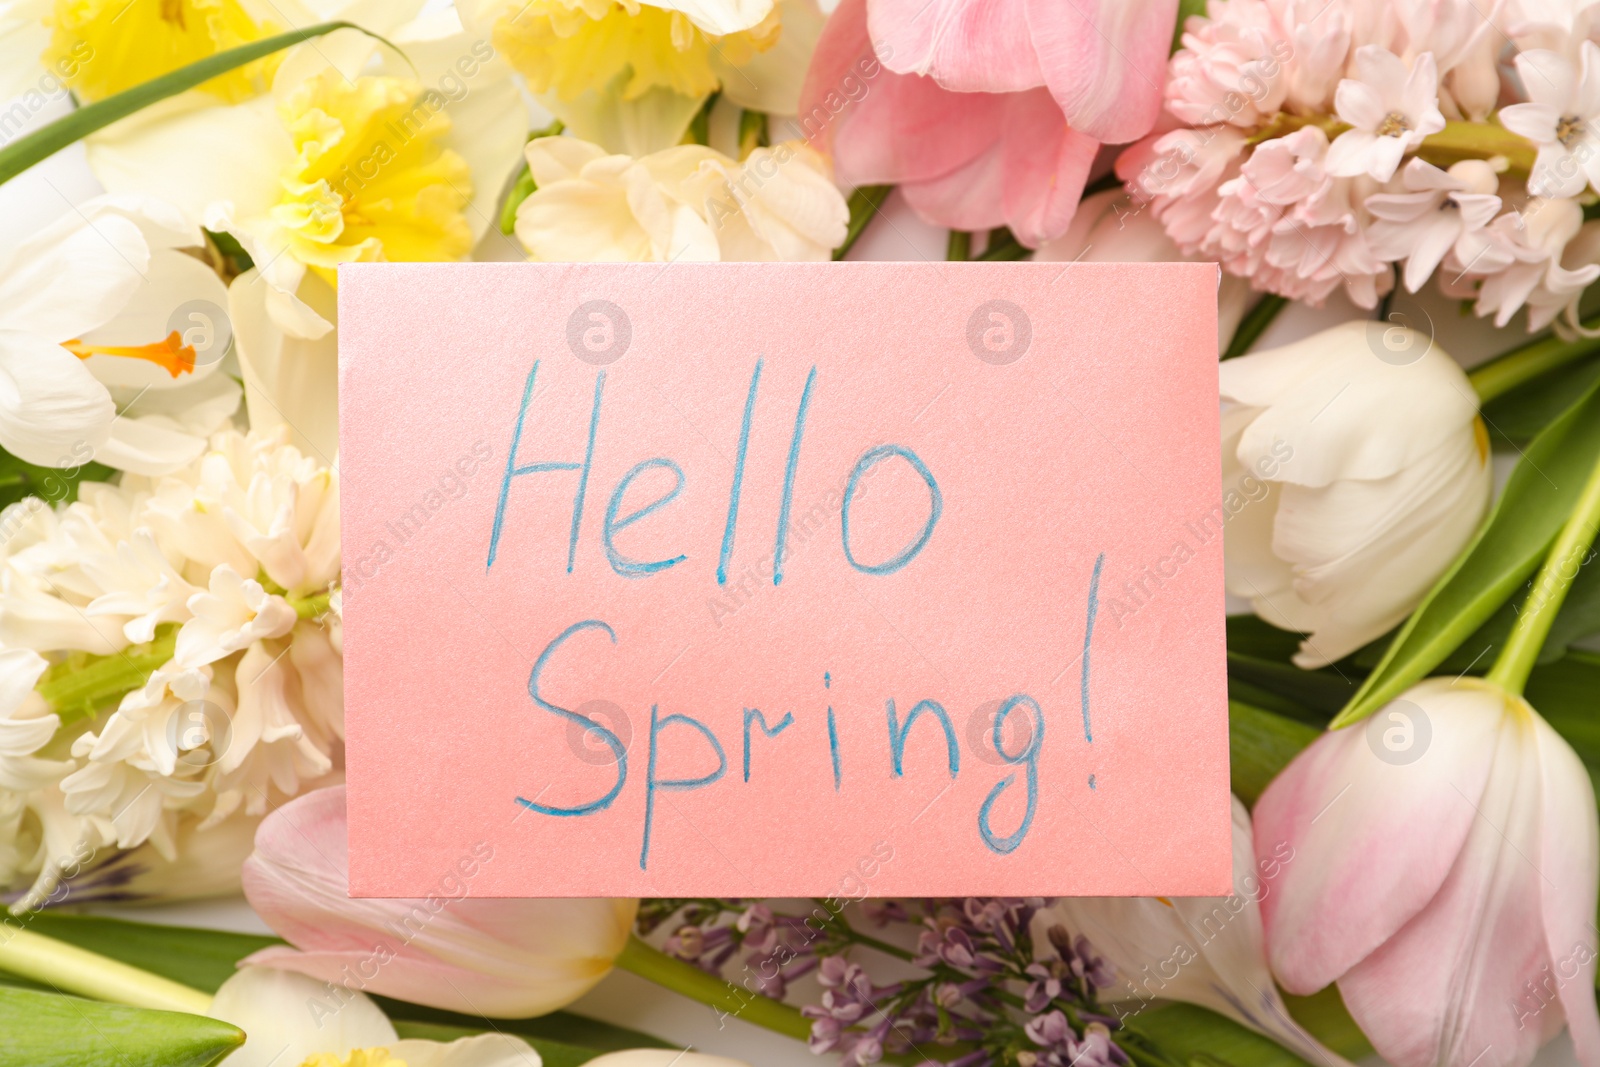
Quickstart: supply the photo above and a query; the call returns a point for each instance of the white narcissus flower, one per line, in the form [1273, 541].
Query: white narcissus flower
[290, 1020]
[683, 204]
[1562, 118]
[93, 365]
[1362, 470]
[1390, 109]
[1443, 212]
[1204, 950]
[1446, 860]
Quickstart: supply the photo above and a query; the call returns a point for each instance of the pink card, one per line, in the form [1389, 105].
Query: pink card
[784, 579]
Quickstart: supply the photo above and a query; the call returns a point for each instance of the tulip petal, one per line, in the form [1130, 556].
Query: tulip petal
[1338, 805]
[908, 129]
[1568, 859]
[1445, 988]
[1044, 164]
[965, 45]
[968, 198]
[1105, 62]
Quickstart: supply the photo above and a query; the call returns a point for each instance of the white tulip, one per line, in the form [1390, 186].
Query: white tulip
[1204, 950]
[1355, 469]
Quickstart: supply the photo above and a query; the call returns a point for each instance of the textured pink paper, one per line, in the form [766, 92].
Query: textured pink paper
[1066, 414]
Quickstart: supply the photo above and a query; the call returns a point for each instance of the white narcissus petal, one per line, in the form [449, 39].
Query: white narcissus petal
[24, 35]
[488, 122]
[770, 81]
[654, 120]
[289, 1018]
[289, 381]
[190, 152]
[720, 17]
[1340, 800]
[555, 159]
[52, 411]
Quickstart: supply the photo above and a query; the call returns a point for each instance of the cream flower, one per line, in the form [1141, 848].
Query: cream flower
[290, 1021]
[236, 613]
[686, 204]
[1370, 473]
[1562, 118]
[25, 726]
[93, 362]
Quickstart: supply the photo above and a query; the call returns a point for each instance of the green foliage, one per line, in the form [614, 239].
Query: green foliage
[51, 1030]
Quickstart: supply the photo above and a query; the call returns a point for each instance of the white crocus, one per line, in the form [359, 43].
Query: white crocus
[1562, 118]
[1390, 110]
[1209, 951]
[97, 358]
[289, 1019]
[683, 204]
[1442, 212]
[359, 153]
[1362, 470]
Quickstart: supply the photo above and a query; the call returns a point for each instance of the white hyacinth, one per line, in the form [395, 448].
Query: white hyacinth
[169, 658]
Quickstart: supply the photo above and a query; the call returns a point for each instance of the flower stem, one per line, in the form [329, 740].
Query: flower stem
[1526, 362]
[1550, 586]
[70, 969]
[727, 999]
[1254, 324]
[959, 246]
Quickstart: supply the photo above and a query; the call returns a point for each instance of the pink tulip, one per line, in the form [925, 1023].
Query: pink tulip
[1443, 872]
[984, 112]
[498, 957]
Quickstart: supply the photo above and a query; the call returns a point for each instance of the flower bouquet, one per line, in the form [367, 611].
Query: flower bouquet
[1404, 199]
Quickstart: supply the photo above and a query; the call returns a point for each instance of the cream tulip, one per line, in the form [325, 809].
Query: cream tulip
[1355, 469]
[1446, 856]
[506, 958]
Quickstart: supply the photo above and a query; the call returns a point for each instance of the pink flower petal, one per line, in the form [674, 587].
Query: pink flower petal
[965, 199]
[1105, 62]
[1373, 841]
[1045, 165]
[965, 45]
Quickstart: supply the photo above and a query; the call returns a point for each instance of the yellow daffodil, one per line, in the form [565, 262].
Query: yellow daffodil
[355, 155]
[120, 43]
[629, 75]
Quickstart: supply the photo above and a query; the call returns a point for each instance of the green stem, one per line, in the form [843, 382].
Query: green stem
[1254, 324]
[46, 141]
[864, 205]
[70, 969]
[959, 247]
[723, 996]
[1526, 362]
[1555, 577]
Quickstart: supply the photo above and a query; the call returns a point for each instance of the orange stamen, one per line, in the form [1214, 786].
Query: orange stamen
[170, 353]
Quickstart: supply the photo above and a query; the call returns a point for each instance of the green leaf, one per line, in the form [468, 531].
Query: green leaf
[1325, 1017]
[202, 959]
[1186, 1033]
[20, 479]
[1521, 413]
[1260, 744]
[1541, 493]
[864, 204]
[1323, 690]
[1185, 9]
[1254, 323]
[46, 141]
[51, 1030]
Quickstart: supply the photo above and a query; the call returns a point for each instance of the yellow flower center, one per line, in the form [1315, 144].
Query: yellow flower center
[572, 45]
[169, 353]
[361, 1057]
[370, 180]
[101, 47]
